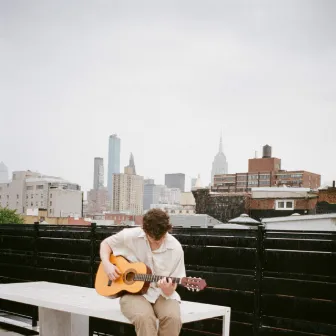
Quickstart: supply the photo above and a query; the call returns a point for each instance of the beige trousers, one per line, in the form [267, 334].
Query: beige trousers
[143, 315]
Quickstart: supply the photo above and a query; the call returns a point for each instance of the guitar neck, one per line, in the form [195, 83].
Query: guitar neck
[154, 278]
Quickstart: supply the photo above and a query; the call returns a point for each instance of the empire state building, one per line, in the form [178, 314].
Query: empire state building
[219, 164]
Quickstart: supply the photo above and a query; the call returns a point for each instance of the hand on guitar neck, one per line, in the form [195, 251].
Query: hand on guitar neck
[167, 286]
[117, 275]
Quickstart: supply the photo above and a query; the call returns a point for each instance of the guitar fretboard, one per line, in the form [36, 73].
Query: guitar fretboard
[154, 278]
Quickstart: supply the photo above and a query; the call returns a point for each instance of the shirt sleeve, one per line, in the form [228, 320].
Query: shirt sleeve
[179, 269]
[116, 241]
[178, 272]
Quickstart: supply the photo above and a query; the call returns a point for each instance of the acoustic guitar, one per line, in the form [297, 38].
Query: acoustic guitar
[135, 278]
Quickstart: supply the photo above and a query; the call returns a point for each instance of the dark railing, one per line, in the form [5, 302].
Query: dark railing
[276, 282]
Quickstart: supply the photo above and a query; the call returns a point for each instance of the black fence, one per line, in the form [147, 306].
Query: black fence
[280, 283]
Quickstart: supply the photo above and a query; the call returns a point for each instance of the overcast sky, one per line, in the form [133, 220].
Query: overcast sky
[167, 77]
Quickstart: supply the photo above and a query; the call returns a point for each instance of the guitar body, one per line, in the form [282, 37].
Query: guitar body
[125, 283]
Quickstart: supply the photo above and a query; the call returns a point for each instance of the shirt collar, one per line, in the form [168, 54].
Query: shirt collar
[168, 242]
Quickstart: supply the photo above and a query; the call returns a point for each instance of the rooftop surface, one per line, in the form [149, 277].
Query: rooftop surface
[299, 218]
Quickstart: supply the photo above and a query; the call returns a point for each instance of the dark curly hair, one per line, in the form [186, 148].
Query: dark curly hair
[156, 223]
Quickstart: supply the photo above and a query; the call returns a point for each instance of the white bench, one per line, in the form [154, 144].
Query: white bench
[65, 310]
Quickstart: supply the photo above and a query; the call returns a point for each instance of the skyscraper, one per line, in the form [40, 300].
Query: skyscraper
[113, 161]
[219, 164]
[3, 173]
[98, 173]
[128, 191]
[175, 181]
[151, 195]
[131, 165]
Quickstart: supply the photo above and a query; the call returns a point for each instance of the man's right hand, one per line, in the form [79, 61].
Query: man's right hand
[112, 271]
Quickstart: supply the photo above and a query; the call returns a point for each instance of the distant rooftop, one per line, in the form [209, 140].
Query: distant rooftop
[299, 218]
[298, 189]
[49, 179]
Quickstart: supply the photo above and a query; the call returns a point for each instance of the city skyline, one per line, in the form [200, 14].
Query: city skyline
[188, 178]
[167, 82]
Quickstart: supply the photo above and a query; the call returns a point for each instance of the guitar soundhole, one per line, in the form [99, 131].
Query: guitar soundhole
[130, 277]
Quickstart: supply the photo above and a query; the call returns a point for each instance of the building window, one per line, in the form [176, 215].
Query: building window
[32, 196]
[29, 188]
[50, 195]
[284, 205]
[39, 187]
[50, 203]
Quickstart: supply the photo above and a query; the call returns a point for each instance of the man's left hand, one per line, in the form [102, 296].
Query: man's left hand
[167, 287]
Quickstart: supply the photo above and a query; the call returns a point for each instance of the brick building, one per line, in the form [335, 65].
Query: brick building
[281, 201]
[327, 200]
[123, 219]
[265, 172]
[259, 203]
[221, 206]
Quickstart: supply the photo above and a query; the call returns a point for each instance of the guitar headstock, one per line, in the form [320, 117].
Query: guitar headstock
[194, 284]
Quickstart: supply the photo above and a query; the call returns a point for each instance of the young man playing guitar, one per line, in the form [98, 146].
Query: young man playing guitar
[154, 246]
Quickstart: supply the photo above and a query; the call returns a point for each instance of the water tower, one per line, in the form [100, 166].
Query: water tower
[267, 151]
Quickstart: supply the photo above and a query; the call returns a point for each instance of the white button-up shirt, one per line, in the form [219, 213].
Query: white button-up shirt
[168, 260]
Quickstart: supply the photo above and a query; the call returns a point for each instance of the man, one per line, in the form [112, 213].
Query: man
[153, 245]
[43, 221]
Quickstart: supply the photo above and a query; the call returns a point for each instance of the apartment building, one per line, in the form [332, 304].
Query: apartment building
[29, 191]
[128, 191]
[265, 172]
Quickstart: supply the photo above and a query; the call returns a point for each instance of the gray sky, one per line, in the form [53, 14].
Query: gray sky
[167, 77]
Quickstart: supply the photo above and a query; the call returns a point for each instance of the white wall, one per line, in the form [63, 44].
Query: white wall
[187, 198]
[325, 222]
[321, 225]
[64, 203]
[279, 192]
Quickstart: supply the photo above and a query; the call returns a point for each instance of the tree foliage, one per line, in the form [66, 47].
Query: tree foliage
[8, 216]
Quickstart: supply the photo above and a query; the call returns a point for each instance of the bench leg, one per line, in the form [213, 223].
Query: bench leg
[226, 323]
[56, 323]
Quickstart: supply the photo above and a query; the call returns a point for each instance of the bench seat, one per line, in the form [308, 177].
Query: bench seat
[69, 307]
